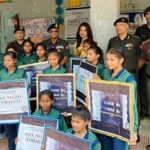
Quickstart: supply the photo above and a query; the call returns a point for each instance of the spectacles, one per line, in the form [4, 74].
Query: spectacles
[53, 31]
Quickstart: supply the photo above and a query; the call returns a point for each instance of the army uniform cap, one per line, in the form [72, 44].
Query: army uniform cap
[122, 19]
[53, 26]
[146, 10]
[19, 28]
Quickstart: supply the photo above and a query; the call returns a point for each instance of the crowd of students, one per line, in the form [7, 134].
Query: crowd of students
[56, 52]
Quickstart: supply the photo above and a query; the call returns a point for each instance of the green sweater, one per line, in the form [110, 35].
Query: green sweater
[59, 70]
[54, 114]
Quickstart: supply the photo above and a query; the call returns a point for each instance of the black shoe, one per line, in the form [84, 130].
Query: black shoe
[138, 138]
[148, 147]
[142, 116]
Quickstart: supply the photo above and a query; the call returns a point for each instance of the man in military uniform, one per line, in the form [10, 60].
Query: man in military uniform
[129, 43]
[55, 43]
[19, 33]
[143, 32]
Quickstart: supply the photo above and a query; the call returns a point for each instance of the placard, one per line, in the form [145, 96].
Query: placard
[85, 72]
[73, 18]
[111, 106]
[31, 131]
[63, 87]
[32, 70]
[13, 100]
[56, 140]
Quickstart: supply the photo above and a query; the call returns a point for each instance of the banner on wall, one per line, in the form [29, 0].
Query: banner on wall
[13, 101]
[31, 131]
[37, 27]
[56, 140]
[73, 18]
[111, 106]
[63, 87]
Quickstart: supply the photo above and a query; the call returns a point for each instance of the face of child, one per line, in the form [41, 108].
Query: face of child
[27, 48]
[9, 62]
[54, 33]
[83, 32]
[86, 46]
[92, 56]
[40, 51]
[53, 60]
[19, 35]
[78, 124]
[45, 103]
[113, 61]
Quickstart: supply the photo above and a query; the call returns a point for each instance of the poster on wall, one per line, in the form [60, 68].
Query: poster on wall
[13, 101]
[63, 87]
[56, 140]
[37, 27]
[73, 18]
[111, 106]
[31, 131]
[136, 19]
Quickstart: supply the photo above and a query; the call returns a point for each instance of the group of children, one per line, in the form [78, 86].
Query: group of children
[80, 115]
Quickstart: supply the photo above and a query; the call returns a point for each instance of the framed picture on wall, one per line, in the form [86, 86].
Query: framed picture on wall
[74, 3]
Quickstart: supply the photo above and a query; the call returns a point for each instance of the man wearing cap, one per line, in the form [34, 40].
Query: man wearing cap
[19, 33]
[143, 32]
[55, 43]
[129, 43]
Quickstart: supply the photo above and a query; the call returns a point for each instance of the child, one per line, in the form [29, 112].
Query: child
[12, 48]
[11, 72]
[46, 100]
[79, 121]
[54, 61]
[28, 56]
[41, 52]
[95, 57]
[115, 59]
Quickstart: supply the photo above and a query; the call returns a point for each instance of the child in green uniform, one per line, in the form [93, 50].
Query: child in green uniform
[79, 121]
[54, 61]
[28, 56]
[46, 100]
[115, 59]
[95, 57]
[41, 52]
[11, 72]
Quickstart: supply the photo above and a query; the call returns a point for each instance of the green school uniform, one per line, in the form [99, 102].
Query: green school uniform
[50, 70]
[90, 136]
[1, 57]
[24, 59]
[102, 71]
[54, 114]
[17, 74]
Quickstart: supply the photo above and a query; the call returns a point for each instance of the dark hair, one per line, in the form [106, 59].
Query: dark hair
[118, 51]
[48, 93]
[89, 33]
[90, 42]
[146, 10]
[97, 50]
[82, 112]
[28, 41]
[40, 44]
[11, 46]
[13, 55]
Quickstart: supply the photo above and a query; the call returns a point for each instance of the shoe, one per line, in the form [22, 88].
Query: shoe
[138, 138]
[142, 116]
[148, 147]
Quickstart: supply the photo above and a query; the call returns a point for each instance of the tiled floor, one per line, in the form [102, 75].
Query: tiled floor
[144, 130]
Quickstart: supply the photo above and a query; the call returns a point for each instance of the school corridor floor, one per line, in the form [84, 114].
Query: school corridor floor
[144, 134]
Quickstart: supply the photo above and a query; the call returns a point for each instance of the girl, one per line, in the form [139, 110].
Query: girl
[41, 52]
[11, 72]
[12, 48]
[28, 56]
[79, 122]
[54, 62]
[95, 57]
[84, 32]
[46, 101]
[115, 59]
